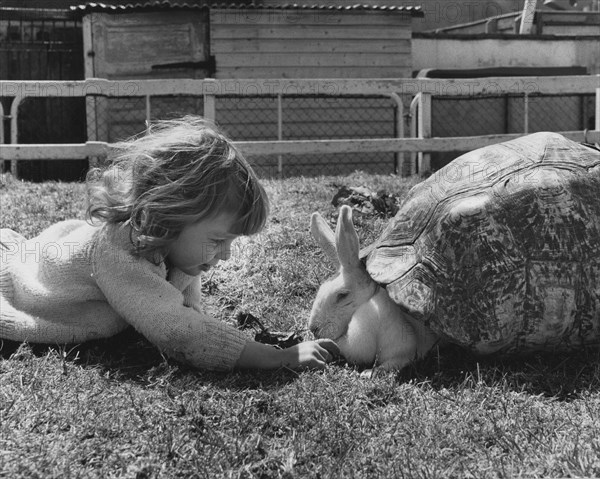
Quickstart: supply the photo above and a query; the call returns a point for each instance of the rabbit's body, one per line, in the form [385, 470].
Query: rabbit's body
[358, 314]
[380, 333]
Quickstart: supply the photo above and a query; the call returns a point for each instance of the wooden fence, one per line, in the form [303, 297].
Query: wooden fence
[421, 90]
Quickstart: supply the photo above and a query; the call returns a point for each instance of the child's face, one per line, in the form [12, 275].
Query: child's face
[202, 245]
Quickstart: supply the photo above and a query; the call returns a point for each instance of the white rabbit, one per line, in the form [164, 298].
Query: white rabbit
[356, 312]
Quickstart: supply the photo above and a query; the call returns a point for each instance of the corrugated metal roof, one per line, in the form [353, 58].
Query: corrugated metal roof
[174, 4]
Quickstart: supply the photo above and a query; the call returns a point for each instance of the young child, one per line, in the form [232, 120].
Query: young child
[166, 209]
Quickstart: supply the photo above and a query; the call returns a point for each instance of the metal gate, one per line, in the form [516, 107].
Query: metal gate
[45, 45]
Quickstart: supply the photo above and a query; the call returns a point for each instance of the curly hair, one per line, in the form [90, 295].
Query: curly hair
[178, 173]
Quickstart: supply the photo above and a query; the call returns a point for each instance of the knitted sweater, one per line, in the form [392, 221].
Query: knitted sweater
[76, 282]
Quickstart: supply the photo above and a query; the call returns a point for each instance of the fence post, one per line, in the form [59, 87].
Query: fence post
[208, 89]
[148, 115]
[398, 157]
[14, 130]
[2, 118]
[526, 114]
[597, 125]
[424, 130]
[413, 113]
[279, 134]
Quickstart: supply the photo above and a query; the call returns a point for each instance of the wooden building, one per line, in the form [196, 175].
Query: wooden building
[167, 39]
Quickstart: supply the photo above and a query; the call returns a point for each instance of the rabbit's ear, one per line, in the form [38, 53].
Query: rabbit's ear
[346, 239]
[324, 236]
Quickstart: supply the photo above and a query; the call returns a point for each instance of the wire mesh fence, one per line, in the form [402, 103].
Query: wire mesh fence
[258, 118]
[35, 47]
[309, 117]
[497, 114]
[115, 119]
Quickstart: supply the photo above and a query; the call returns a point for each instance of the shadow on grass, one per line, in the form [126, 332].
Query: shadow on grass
[128, 353]
[564, 376]
[129, 357]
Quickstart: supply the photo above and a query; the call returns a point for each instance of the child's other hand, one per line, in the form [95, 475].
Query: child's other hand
[310, 354]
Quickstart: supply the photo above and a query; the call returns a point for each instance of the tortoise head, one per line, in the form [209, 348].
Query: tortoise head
[340, 297]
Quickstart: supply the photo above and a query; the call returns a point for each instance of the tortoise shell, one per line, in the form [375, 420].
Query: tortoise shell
[499, 251]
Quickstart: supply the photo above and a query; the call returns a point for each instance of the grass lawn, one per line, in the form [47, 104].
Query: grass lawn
[117, 408]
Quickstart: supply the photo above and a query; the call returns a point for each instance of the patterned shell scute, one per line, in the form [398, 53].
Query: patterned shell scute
[500, 250]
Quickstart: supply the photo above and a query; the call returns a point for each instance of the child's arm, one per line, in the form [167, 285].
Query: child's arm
[139, 292]
[311, 355]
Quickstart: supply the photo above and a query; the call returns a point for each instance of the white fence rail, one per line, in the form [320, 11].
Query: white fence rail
[422, 90]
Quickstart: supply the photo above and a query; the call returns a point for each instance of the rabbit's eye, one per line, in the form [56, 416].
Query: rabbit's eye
[342, 295]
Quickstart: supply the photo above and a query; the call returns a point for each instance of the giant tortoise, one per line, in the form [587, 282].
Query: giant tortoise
[498, 252]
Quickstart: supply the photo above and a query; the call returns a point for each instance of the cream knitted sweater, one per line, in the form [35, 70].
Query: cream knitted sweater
[75, 282]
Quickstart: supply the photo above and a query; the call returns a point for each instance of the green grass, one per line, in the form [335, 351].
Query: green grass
[117, 408]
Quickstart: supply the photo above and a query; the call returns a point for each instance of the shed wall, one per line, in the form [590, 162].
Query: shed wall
[310, 44]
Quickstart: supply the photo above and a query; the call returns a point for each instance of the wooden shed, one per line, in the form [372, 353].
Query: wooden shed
[168, 39]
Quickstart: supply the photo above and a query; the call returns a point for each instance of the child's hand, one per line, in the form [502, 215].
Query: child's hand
[310, 354]
[307, 355]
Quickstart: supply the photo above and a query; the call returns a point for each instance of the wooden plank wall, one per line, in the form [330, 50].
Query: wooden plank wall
[310, 43]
